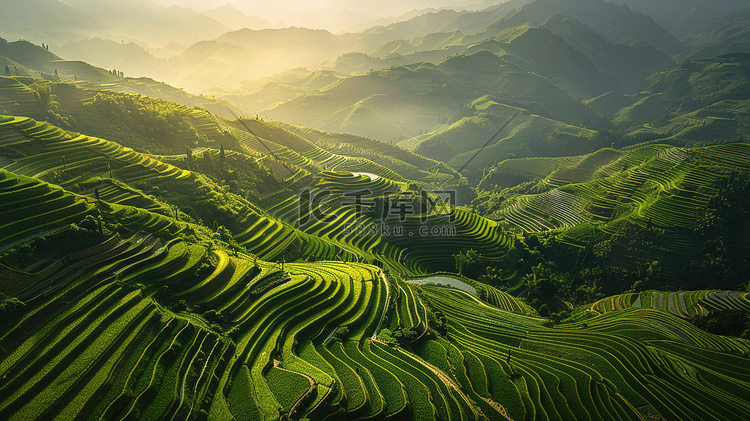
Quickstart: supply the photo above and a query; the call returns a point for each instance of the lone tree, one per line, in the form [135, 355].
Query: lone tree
[7, 70]
[222, 155]
[189, 159]
[465, 260]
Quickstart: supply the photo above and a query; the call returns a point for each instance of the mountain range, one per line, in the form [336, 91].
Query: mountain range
[173, 43]
[537, 209]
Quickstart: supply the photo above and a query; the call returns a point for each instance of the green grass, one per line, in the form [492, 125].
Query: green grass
[659, 188]
[685, 304]
[543, 358]
[288, 387]
[161, 358]
[164, 315]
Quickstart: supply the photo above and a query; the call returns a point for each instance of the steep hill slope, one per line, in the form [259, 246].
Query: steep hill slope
[546, 54]
[526, 134]
[614, 22]
[251, 269]
[731, 36]
[629, 65]
[399, 103]
[685, 18]
[623, 211]
[443, 21]
[194, 331]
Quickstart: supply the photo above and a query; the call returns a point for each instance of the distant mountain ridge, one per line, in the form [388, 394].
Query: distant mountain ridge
[57, 22]
[683, 17]
[207, 54]
[578, 63]
[159, 261]
[233, 18]
[618, 24]
[629, 65]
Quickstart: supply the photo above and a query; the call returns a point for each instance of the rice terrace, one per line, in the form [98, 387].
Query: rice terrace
[346, 210]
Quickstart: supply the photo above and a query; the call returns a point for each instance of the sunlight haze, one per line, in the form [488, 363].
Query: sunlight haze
[334, 15]
[288, 210]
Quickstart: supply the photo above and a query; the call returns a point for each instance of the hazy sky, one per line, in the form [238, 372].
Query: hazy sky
[329, 14]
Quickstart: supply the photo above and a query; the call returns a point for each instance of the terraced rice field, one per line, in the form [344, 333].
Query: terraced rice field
[158, 360]
[294, 150]
[369, 155]
[146, 325]
[155, 318]
[621, 365]
[682, 304]
[28, 206]
[17, 98]
[657, 187]
[77, 161]
[51, 150]
[96, 166]
[660, 184]
[391, 236]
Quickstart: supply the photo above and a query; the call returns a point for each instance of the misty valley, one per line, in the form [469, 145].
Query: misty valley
[340, 210]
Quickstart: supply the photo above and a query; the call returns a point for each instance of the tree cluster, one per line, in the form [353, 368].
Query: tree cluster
[725, 322]
[163, 122]
[723, 229]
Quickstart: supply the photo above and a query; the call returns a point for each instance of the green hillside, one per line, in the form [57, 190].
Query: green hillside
[541, 51]
[687, 18]
[399, 103]
[393, 104]
[288, 161]
[628, 64]
[186, 266]
[40, 62]
[518, 210]
[730, 35]
[631, 220]
[199, 332]
[525, 135]
[614, 22]
[546, 56]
